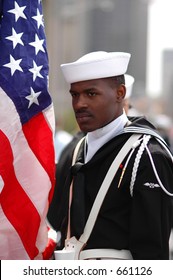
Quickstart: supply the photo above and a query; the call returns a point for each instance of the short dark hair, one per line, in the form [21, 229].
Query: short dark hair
[117, 80]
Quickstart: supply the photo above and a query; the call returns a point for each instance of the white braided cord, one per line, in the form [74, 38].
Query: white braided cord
[142, 147]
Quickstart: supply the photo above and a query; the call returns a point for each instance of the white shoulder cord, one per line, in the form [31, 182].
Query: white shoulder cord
[143, 146]
[155, 172]
[166, 148]
[137, 161]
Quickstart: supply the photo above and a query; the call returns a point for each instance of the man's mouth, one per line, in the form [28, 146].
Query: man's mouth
[82, 116]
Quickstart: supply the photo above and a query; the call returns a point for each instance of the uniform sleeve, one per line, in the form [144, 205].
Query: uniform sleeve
[151, 213]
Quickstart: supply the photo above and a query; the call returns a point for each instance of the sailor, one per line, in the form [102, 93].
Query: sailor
[132, 220]
[65, 159]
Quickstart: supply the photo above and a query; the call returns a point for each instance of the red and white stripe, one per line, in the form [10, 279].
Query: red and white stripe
[26, 181]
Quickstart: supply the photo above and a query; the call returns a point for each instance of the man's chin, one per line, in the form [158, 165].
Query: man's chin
[86, 128]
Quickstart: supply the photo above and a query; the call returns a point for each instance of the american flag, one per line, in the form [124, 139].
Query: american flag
[27, 164]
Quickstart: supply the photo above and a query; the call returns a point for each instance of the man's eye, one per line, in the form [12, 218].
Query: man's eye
[73, 94]
[91, 93]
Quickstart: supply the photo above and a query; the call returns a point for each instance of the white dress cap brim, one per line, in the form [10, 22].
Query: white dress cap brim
[96, 65]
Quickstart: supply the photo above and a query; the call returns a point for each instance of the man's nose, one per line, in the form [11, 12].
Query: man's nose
[81, 102]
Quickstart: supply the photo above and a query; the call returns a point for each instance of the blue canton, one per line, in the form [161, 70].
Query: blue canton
[23, 57]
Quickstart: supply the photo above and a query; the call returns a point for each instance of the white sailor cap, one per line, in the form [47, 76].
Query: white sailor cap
[96, 65]
[129, 81]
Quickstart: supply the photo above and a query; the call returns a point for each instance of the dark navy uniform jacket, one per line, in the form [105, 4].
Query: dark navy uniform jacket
[140, 223]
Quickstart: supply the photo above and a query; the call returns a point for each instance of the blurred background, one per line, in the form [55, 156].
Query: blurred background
[140, 27]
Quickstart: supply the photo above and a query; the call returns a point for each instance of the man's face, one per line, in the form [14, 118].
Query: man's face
[96, 103]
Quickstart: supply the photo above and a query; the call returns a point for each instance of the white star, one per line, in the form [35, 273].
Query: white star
[33, 97]
[39, 19]
[36, 71]
[38, 44]
[18, 11]
[15, 38]
[14, 65]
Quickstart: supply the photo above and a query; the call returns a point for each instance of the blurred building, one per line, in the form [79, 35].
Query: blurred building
[75, 27]
[167, 80]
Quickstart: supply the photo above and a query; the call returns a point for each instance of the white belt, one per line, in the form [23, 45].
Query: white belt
[105, 254]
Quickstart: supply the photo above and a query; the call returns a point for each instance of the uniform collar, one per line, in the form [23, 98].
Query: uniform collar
[96, 139]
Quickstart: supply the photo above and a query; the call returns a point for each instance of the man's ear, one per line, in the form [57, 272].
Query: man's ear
[121, 92]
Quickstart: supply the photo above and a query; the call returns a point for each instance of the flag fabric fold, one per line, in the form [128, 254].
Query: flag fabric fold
[27, 161]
